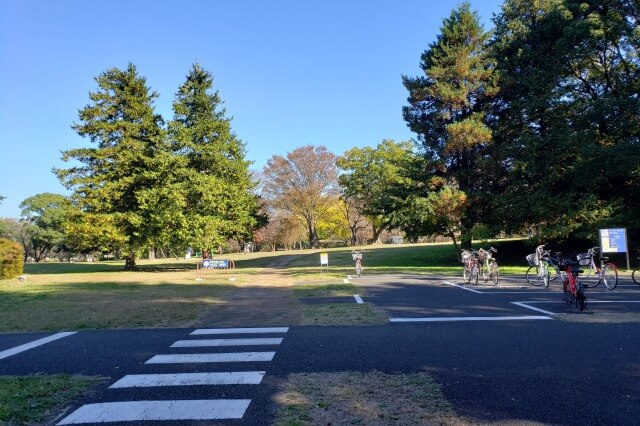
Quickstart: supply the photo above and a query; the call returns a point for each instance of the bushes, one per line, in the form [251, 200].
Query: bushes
[11, 259]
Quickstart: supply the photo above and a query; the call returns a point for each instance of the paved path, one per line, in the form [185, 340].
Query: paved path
[512, 371]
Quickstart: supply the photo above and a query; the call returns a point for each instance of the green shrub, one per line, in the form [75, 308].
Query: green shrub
[11, 259]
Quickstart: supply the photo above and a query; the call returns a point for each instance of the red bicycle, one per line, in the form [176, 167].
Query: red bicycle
[573, 289]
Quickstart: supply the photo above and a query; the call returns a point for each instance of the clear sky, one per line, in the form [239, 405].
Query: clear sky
[291, 72]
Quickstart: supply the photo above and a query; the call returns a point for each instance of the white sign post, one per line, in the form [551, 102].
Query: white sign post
[324, 260]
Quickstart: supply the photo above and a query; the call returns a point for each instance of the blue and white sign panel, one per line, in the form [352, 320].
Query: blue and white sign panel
[216, 264]
[613, 240]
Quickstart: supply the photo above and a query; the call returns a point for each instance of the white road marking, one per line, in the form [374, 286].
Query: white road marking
[523, 292]
[358, 299]
[9, 352]
[202, 331]
[217, 357]
[525, 305]
[214, 409]
[446, 319]
[226, 342]
[462, 287]
[346, 280]
[190, 379]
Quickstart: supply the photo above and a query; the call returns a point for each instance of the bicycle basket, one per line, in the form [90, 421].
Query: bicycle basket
[584, 259]
[532, 259]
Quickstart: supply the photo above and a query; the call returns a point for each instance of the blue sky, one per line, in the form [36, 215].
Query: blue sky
[291, 73]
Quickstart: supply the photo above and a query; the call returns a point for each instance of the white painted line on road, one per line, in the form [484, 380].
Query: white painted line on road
[226, 342]
[463, 287]
[214, 409]
[446, 319]
[525, 305]
[9, 352]
[523, 292]
[346, 280]
[256, 330]
[217, 357]
[358, 299]
[190, 379]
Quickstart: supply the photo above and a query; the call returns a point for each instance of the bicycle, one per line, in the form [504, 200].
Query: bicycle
[538, 273]
[573, 289]
[471, 269]
[357, 256]
[488, 265]
[605, 272]
[635, 275]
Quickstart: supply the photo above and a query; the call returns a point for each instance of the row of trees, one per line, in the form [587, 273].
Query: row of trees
[150, 183]
[533, 126]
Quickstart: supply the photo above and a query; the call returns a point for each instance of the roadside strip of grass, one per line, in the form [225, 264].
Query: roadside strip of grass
[34, 399]
[362, 398]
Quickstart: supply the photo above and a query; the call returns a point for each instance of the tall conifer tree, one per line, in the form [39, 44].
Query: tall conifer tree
[121, 187]
[219, 203]
[445, 107]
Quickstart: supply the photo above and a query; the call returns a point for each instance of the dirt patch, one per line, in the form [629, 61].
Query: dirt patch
[372, 398]
[265, 299]
[591, 317]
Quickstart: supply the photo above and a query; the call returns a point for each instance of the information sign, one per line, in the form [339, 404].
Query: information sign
[613, 240]
[324, 259]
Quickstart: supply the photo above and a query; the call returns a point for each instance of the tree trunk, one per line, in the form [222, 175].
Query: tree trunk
[376, 234]
[130, 263]
[452, 235]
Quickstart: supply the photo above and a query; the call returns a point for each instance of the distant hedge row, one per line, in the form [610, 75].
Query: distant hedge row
[11, 259]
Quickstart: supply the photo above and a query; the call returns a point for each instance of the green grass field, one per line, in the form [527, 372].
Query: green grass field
[164, 293]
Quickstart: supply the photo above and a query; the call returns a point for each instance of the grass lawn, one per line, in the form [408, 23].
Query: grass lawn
[164, 293]
[343, 398]
[32, 399]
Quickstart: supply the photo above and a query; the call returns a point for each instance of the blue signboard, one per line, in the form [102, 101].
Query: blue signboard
[216, 264]
[613, 240]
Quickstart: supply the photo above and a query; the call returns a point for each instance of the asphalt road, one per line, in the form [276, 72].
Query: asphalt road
[512, 371]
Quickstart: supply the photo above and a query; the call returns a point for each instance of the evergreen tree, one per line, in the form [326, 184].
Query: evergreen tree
[567, 115]
[446, 108]
[216, 183]
[122, 188]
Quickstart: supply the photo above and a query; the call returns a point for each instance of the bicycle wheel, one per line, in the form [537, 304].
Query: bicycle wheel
[635, 276]
[555, 274]
[581, 301]
[609, 276]
[494, 272]
[466, 274]
[475, 272]
[532, 276]
[485, 272]
[546, 277]
[590, 279]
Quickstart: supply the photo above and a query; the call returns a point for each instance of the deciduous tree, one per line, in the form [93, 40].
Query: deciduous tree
[304, 183]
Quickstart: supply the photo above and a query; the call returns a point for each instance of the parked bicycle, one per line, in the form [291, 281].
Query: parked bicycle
[543, 268]
[635, 275]
[471, 269]
[357, 256]
[489, 265]
[573, 289]
[596, 273]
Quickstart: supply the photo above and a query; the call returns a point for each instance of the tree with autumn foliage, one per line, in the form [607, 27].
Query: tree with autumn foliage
[303, 183]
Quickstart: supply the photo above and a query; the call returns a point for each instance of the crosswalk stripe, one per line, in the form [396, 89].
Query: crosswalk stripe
[226, 342]
[217, 357]
[34, 344]
[201, 331]
[190, 379]
[215, 409]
